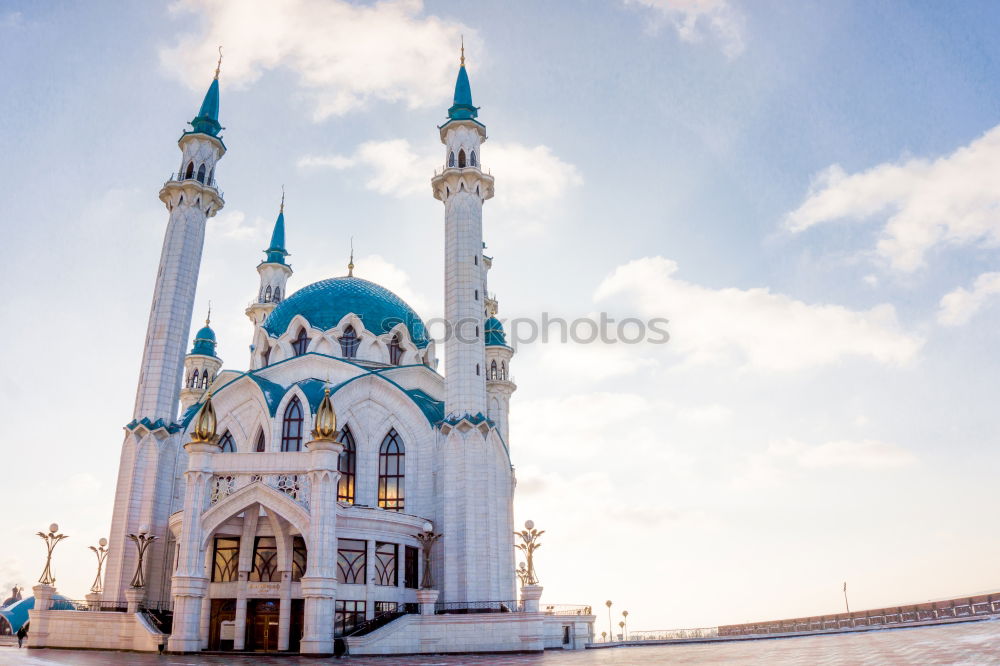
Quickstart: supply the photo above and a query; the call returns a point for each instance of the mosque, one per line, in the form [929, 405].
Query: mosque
[341, 480]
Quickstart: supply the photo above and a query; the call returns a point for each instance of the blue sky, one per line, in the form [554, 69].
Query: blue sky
[803, 189]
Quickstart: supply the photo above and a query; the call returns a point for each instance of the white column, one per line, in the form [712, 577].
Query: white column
[285, 609]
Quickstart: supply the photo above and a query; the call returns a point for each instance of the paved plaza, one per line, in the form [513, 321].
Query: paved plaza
[970, 643]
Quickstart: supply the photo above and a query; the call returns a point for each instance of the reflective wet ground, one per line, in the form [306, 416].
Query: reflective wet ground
[973, 643]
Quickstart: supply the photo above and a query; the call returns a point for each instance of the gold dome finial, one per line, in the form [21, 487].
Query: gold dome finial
[463, 51]
[205, 422]
[218, 65]
[350, 262]
[326, 419]
[208, 317]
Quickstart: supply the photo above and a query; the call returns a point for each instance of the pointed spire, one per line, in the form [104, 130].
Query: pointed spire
[350, 263]
[207, 120]
[462, 108]
[208, 317]
[276, 252]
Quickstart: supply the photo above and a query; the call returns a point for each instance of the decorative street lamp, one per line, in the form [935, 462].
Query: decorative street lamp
[102, 554]
[604, 636]
[621, 625]
[529, 537]
[427, 539]
[141, 541]
[625, 623]
[50, 539]
[611, 633]
[522, 574]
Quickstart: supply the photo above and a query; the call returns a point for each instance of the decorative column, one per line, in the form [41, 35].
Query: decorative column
[285, 610]
[189, 583]
[319, 585]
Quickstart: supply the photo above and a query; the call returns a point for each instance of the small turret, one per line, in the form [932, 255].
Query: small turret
[499, 385]
[274, 274]
[201, 365]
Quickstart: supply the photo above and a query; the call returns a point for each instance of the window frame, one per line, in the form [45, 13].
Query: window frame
[391, 472]
[292, 425]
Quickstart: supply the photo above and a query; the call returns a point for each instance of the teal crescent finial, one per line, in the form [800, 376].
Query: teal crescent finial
[462, 108]
[276, 251]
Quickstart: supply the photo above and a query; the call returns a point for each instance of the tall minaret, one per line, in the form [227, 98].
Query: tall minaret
[192, 197]
[463, 188]
[147, 469]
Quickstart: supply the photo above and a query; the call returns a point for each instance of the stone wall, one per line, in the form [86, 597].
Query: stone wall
[92, 630]
[438, 634]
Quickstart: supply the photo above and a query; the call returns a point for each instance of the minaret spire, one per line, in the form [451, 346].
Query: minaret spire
[463, 51]
[218, 65]
[350, 263]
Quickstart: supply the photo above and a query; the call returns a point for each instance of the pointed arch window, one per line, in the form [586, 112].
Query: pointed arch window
[451, 159]
[461, 159]
[391, 472]
[472, 158]
[346, 465]
[291, 426]
[267, 356]
[190, 170]
[301, 343]
[277, 295]
[260, 446]
[493, 370]
[349, 343]
[395, 350]
[211, 176]
[227, 444]
[267, 294]
[201, 174]
[503, 370]
[204, 379]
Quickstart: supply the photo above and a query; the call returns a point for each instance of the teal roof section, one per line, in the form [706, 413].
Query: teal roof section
[204, 341]
[462, 108]
[276, 252]
[495, 337]
[16, 614]
[323, 304]
[207, 120]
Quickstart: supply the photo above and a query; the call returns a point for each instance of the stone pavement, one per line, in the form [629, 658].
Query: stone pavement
[972, 643]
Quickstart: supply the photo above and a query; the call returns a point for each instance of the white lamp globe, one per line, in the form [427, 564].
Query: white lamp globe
[54, 527]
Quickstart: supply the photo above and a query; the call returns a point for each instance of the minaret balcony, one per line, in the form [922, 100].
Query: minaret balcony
[192, 189]
[452, 179]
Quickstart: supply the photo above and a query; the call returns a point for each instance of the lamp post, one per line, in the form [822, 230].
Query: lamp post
[529, 544]
[522, 574]
[625, 623]
[611, 630]
[102, 553]
[604, 636]
[427, 539]
[621, 625]
[50, 539]
[141, 541]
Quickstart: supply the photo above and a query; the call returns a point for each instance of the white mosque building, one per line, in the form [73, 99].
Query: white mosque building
[289, 499]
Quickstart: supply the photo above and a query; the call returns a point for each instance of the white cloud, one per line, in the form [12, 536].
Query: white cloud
[951, 200]
[693, 19]
[861, 454]
[346, 55]
[957, 307]
[756, 327]
[235, 226]
[530, 180]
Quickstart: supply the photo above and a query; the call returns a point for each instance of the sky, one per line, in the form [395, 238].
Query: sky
[806, 191]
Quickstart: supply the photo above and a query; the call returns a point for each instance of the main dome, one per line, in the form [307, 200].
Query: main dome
[324, 304]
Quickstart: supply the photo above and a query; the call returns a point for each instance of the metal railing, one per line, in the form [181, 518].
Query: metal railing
[209, 182]
[673, 634]
[460, 607]
[107, 606]
[566, 609]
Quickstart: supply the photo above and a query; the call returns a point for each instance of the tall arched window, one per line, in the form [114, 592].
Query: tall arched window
[260, 446]
[201, 174]
[193, 379]
[493, 370]
[301, 343]
[267, 294]
[395, 351]
[227, 444]
[277, 294]
[451, 159]
[391, 470]
[472, 158]
[291, 426]
[211, 174]
[503, 370]
[461, 159]
[190, 170]
[204, 379]
[346, 466]
[349, 342]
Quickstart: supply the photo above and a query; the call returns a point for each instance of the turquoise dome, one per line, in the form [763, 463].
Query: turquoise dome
[204, 342]
[495, 337]
[325, 303]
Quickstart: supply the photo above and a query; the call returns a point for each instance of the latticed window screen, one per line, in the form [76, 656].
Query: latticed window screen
[349, 614]
[385, 563]
[226, 560]
[349, 343]
[291, 426]
[226, 443]
[265, 560]
[391, 471]
[301, 343]
[346, 466]
[351, 561]
[299, 558]
[395, 351]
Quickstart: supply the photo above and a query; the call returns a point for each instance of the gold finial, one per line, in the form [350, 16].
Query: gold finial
[208, 318]
[282, 199]
[326, 419]
[350, 263]
[218, 65]
[204, 425]
[463, 51]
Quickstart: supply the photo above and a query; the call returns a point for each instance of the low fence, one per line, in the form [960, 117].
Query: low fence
[673, 634]
[566, 609]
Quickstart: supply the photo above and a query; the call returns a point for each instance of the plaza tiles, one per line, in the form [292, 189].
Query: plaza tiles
[973, 643]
